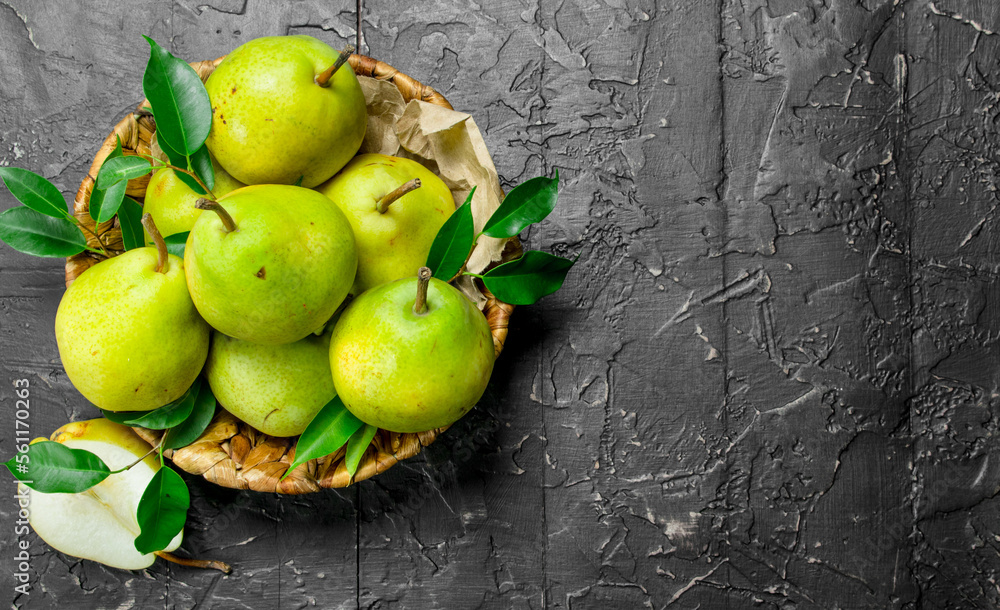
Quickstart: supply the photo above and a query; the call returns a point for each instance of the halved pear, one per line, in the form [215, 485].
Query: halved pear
[99, 524]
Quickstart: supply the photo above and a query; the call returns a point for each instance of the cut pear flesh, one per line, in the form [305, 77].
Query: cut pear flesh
[98, 524]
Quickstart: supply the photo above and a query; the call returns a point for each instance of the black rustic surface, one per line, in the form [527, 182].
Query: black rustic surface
[771, 381]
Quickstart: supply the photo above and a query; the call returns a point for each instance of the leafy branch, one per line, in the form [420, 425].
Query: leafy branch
[519, 282]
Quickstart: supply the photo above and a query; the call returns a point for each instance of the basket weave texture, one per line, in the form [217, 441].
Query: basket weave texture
[231, 453]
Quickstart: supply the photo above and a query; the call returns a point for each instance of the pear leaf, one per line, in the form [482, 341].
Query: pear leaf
[453, 242]
[120, 417]
[118, 169]
[51, 467]
[34, 191]
[526, 204]
[170, 414]
[176, 158]
[162, 510]
[327, 432]
[525, 280]
[104, 203]
[28, 231]
[130, 221]
[176, 243]
[188, 431]
[357, 445]
[200, 163]
[180, 102]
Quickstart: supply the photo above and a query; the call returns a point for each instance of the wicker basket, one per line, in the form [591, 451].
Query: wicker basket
[231, 453]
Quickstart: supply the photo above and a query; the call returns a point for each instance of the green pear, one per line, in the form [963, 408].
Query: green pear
[99, 524]
[128, 334]
[411, 355]
[394, 218]
[277, 389]
[280, 114]
[171, 202]
[272, 264]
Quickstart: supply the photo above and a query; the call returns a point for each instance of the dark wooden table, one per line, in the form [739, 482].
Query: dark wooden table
[771, 381]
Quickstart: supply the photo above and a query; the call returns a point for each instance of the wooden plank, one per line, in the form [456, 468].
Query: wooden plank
[951, 141]
[818, 486]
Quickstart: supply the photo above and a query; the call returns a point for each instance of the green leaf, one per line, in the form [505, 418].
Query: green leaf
[176, 158]
[453, 242]
[176, 242]
[528, 203]
[162, 511]
[170, 414]
[299, 181]
[118, 169]
[130, 221]
[197, 160]
[120, 417]
[104, 203]
[527, 279]
[201, 163]
[357, 445]
[51, 467]
[188, 431]
[327, 432]
[34, 191]
[179, 100]
[27, 231]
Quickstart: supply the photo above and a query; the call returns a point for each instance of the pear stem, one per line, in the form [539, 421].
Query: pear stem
[161, 246]
[383, 204]
[326, 76]
[227, 220]
[423, 278]
[195, 563]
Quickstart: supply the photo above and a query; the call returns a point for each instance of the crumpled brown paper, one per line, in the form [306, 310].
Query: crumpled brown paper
[448, 142]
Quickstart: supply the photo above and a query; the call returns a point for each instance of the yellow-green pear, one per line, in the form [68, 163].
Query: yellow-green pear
[171, 202]
[285, 108]
[396, 207]
[271, 264]
[128, 333]
[411, 355]
[99, 524]
[277, 389]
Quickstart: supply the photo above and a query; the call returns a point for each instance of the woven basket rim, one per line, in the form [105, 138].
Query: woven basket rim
[231, 453]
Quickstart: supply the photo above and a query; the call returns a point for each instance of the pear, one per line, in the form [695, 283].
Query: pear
[99, 524]
[396, 207]
[277, 389]
[285, 108]
[128, 333]
[411, 355]
[272, 264]
[171, 202]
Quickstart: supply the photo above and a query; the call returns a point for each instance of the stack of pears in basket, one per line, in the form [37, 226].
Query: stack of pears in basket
[296, 228]
[271, 269]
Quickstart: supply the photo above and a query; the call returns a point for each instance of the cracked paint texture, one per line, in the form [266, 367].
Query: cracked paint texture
[771, 381]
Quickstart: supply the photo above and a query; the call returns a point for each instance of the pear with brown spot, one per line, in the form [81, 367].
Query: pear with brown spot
[129, 336]
[270, 263]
